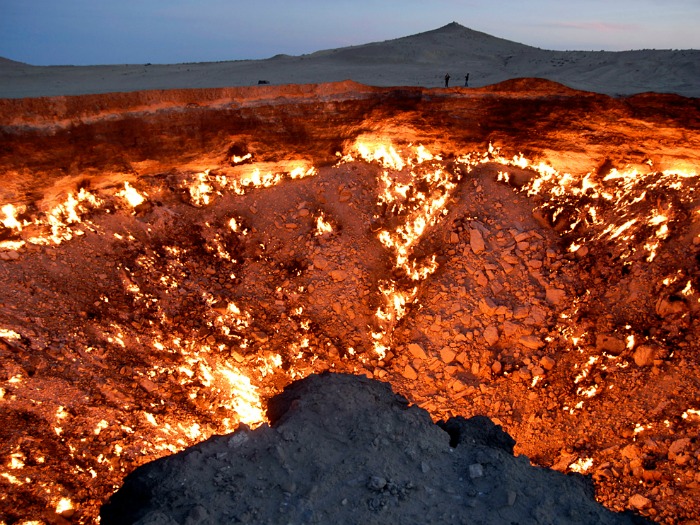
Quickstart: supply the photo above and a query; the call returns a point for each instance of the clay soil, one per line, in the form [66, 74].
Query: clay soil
[565, 309]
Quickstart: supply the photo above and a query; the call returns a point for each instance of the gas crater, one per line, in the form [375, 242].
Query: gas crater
[172, 259]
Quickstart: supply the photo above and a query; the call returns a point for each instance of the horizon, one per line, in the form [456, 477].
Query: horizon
[78, 32]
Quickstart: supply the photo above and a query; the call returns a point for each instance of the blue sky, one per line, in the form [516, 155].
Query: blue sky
[80, 32]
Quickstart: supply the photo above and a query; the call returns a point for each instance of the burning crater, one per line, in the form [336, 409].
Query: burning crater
[170, 260]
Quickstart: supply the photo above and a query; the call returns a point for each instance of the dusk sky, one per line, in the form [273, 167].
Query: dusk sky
[81, 32]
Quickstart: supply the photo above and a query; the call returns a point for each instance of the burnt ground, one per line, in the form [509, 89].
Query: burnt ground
[561, 304]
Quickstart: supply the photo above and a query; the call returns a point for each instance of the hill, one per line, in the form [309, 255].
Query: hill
[417, 60]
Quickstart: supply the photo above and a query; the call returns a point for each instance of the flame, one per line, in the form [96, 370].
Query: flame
[230, 367]
[200, 189]
[415, 187]
[587, 392]
[581, 465]
[64, 505]
[322, 226]
[16, 460]
[621, 229]
[237, 160]
[12, 479]
[586, 369]
[619, 191]
[131, 195]
[70, 212]
[301, 172]
[10, 220]
[253, 177]
[258, 180]
[691, 413]
[385, 154]
[9, 334]
[246, 400]
[100, 427]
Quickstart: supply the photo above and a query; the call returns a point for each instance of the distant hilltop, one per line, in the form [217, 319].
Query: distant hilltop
[422, 59]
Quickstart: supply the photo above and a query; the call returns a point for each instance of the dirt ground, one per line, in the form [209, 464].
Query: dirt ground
[138, 318]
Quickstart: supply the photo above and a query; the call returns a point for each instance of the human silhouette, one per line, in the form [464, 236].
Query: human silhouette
[447, 80]
[466, 80]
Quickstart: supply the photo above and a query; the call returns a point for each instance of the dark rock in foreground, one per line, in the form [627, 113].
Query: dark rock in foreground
[346, 449]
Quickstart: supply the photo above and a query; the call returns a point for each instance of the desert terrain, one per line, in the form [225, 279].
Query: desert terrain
[417, 60]
[173, 258]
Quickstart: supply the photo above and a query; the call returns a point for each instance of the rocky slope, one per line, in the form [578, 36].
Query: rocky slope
[346, 449]
[171, 260]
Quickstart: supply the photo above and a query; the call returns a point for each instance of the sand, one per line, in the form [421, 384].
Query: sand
[417, 60]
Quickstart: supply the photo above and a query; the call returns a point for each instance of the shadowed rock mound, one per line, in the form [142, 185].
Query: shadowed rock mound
[346, 449]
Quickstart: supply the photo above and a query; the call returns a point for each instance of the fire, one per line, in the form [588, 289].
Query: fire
[250, 177]
[587, 392]
[236, 226]
[415, 187]
[100, 427]
[619, 191]
[200, 189]
[64, 505]
[385, 154]
[9, 334]
[692, 414]
[17, 460]
[621, 229]
[581, 465]
[237, 160]
[12, 479]
[322, 226]
[131, 195]
[239, 354]
[10, 220]
[246, 400]
[259, 180]
[301, 172]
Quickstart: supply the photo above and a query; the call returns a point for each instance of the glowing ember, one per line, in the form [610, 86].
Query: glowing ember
[64, 505]
[581, 465]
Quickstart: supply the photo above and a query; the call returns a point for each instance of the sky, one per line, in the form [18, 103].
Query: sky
[87, 32]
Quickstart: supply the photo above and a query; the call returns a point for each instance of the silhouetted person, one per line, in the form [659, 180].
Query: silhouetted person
[466, 80]
[447, 80]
